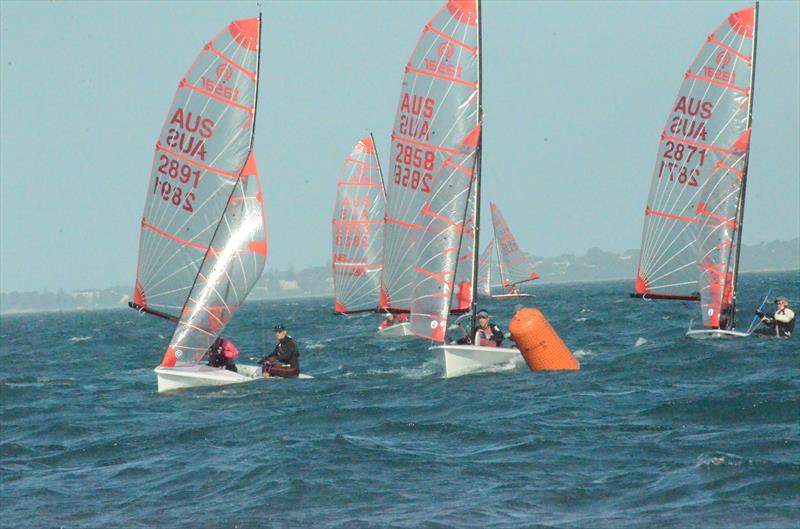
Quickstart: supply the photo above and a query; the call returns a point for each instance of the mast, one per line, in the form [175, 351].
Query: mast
[740, 212]
[477, 184]
[380, 172]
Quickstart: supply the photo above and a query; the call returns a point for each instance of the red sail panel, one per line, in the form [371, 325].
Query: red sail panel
[357, 231]
[515, 267]
[232, 266]
[199, 155]
[708, 116]
[485, 269]
[445, 217]
[438, 107]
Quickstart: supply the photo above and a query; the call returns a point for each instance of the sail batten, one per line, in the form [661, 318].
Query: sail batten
[699, 148]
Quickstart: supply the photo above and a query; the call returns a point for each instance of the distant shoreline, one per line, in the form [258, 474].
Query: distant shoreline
[22, 312]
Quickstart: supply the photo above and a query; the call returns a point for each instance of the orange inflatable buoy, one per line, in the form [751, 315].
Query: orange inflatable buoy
[538, 342]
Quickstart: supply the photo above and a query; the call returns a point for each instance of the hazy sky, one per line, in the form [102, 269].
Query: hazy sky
[575, 97]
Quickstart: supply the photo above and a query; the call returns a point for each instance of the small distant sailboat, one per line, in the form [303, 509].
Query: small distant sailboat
[485, 270]
[693, 218]
[515, 267]
[203, 238]
[437, 150]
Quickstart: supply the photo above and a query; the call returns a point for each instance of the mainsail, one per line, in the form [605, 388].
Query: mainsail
[358, 231]
[485, 269]
[233, 264]
[438, 108]
[515, 267]
[701, 152]
[199, 156]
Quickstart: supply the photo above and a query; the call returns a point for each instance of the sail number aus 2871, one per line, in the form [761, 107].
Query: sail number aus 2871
[172, 192]
[408, 158]
[683, 154]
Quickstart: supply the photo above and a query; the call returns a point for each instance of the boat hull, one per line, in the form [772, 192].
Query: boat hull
[513, 296]
[198, 376]
[398, 330]
[709, 334]
[459, 360]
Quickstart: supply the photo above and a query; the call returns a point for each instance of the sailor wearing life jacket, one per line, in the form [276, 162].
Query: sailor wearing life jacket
[284, 361]
[487, 334]
[781, 323]
[222, 353]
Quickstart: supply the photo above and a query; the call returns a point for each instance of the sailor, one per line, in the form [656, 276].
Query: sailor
[222, 353]
[388, 322]
[284, 361]
[487, 334]
[781, 323]
[513, 289]
[391, 319]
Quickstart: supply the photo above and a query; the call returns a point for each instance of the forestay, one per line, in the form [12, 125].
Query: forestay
[438, 108]
[515, 267]
[698, 145]
[485, 269]
[358, 231]
[233, 264]
[203, 146]
[440, 246]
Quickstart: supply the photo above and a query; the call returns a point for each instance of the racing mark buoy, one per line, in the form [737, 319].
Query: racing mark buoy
[538, 342]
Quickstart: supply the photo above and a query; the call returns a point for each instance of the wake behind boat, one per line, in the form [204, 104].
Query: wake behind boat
[203, 238]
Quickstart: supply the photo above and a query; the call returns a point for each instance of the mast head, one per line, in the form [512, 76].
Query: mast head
[245, 32]
[743, 21]
[465, 11]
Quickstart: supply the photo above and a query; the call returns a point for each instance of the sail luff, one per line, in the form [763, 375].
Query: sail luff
[477, 183]
[740, 218]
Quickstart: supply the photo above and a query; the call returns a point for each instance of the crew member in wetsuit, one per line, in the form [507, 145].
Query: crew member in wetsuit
[487, 334]
[513, 289]
[284, 361]
[222, 354]
[781, 323]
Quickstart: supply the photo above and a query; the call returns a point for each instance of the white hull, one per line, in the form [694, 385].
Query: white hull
[512, 296]
[197, 376]
[458, 360]
[398, 330]
[708, 334]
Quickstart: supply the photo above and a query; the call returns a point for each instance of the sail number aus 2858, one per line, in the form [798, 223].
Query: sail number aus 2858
[413, 166]
[171, 191]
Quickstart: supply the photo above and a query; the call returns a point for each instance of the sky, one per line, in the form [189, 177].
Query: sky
[575, 97]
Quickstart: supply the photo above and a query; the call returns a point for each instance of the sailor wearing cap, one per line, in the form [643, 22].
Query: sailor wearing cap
[285, 358]
[781, 323]
[487, 334]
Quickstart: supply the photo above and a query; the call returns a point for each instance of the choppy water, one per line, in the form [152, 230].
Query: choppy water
[655, 430]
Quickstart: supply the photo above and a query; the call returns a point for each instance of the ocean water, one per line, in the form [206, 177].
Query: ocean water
[655, 430]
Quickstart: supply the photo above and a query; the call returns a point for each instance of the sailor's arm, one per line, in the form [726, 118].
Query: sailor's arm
[784, 316]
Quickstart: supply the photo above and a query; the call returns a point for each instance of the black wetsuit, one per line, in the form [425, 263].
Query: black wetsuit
[217, 359]
[284, 360]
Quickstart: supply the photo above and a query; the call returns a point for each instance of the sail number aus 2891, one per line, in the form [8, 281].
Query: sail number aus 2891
[172, 192]
[408, 158]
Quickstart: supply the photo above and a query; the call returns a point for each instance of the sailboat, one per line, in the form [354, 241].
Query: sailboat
[433, 205]
[203, 241]
[357, 231]
[515, 267]
[693, 217]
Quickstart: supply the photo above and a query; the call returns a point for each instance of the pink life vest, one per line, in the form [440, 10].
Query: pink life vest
[229, 350]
